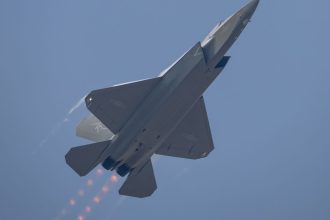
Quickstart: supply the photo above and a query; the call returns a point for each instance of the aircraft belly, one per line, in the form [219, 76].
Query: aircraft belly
[165, 115]
[160, 114]
[169, 114]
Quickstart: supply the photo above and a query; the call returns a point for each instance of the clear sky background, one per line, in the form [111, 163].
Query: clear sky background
[269, 111]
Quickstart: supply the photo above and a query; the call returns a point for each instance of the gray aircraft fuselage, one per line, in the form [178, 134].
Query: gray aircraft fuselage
[165, 115]
[175, 94]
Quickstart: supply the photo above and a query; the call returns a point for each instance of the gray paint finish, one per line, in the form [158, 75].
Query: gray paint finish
[152, 115]
[268, 112]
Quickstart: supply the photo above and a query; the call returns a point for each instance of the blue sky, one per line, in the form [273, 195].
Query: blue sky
[268, 111]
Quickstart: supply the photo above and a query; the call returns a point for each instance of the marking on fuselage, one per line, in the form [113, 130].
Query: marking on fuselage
[99, 127]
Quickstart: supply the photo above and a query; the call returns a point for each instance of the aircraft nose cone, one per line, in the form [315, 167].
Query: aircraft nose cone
[248, 10]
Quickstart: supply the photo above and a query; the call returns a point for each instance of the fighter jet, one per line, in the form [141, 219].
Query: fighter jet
[164, 115]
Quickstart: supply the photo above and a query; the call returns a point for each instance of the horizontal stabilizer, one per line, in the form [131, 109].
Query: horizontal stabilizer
[113, 106]
[85, 158]
[92, 129]
[140, 183]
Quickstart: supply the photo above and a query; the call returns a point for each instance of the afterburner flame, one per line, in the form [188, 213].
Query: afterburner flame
[90, 182]
[97, 199]
[88, 209]
[99, 172]
[114, 178]
[105, 189]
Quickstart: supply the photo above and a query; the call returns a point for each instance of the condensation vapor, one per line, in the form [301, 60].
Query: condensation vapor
[59, 124]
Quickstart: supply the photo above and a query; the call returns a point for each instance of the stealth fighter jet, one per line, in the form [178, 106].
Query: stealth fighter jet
[164, 115]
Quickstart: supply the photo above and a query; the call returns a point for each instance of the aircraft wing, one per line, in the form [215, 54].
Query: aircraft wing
[92, 129]
[192, 139]
[113, 106]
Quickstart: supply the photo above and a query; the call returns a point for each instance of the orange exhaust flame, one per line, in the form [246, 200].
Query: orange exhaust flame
[97, 199]
[88, 209]
[113, 178]
[105, 189]
[99, 172]
[90, 182]
[80, 217]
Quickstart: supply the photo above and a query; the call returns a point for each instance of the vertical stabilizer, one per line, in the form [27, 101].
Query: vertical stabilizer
[140, 183]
